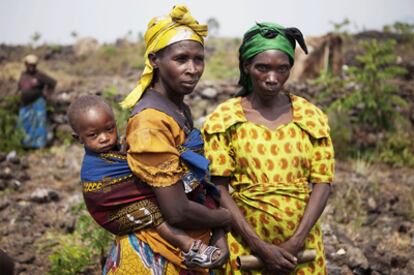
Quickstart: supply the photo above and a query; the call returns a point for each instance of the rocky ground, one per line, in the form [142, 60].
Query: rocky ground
[368, 223]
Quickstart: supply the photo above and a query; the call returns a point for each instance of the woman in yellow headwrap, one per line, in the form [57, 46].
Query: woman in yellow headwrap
[274, 149]
[157, 136]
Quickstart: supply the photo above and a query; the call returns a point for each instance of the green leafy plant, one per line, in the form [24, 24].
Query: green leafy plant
[81, 250]
[72, 257]
[396, 148]
[35, 38]
[404, 29]
[109, 50]
[10, 134]
[339, 27]
[373, 102]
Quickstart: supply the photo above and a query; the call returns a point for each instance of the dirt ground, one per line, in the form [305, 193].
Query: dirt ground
[368, 222]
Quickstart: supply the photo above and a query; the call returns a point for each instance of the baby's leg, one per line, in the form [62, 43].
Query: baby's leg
[195, 252]
[175, 236]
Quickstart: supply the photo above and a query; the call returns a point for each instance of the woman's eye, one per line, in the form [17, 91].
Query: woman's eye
[283, 69]
[199, 58]
[261, 68]
[181, 58]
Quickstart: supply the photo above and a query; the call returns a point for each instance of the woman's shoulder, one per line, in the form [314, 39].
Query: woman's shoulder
[224, 116]
[152, 119]
[309, 117]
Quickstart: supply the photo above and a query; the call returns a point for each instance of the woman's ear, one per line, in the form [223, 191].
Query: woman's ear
[246, 67]
[153, 59]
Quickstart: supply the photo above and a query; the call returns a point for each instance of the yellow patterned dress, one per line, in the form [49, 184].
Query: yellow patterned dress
[271, 172]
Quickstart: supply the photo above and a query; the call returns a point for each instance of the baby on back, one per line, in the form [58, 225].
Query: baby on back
[115, 198]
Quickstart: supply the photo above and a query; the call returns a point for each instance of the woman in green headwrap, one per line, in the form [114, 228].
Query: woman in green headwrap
[274, 149]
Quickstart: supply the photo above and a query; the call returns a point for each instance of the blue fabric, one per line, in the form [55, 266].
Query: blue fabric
[197, 163]
[32, 120]
[95, 167]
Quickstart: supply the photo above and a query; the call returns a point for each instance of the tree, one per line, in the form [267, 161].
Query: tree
[213, 27]
[74, 34]
[35, 38]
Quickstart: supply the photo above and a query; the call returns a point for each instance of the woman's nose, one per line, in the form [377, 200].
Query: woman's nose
[191, 67]
[272, 78]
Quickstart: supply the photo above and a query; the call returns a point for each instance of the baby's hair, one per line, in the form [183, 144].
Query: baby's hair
[81, 105]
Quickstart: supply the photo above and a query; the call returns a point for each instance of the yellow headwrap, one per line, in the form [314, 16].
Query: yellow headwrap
[163, 31]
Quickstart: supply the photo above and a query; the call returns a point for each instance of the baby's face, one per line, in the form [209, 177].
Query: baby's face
[97, 130]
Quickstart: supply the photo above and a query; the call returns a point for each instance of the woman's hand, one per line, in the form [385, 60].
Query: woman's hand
[293, 246]
[276, 258]
[219, 240]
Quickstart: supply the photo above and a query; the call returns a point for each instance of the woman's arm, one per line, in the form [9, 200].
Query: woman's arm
[274, 257]
[316, 205]
[180, 212]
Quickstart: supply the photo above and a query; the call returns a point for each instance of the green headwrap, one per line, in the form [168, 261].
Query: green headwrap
[267, 36]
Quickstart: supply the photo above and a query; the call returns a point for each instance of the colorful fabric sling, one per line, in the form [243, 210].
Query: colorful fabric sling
[115, 198]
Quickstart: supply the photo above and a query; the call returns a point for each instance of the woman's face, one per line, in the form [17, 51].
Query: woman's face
[180, 66]
[268, 72]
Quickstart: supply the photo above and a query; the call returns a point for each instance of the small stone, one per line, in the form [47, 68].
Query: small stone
[340, 252]
[333, 269]
[372, 203]
[12, 157]
[24, 164]
[4, 203]
[356, 258]
[42, 195]
[6, 173]
[209, 93]
[16, 184]
[25, 258]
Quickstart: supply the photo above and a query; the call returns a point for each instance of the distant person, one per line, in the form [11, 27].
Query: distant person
[34, 87]
[115, 198]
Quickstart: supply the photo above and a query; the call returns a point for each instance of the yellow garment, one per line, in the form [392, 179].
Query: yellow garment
[152, 138]
[270, 172]
[163, 31]
[131, 262]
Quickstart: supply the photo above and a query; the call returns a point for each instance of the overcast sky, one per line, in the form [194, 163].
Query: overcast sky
[108, 20]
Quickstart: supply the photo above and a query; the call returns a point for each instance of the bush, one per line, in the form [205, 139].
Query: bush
[373, 103]
[71, 258]
[82, 249]
[397, 149]
[10, 135]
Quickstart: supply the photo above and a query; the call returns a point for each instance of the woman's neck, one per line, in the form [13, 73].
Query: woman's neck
[177, 99]
[269, 103]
